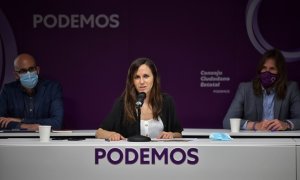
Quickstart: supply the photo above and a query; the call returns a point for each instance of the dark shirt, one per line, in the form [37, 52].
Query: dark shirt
[115, 120]
[44, 106]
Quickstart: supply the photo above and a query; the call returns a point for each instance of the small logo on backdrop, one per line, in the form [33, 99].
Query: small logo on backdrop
[214, 80]
[255, 35]
[8, 51]
[76, 21]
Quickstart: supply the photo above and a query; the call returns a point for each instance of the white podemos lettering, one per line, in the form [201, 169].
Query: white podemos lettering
[76, 21]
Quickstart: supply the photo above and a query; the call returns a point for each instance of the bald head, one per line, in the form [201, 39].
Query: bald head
[24, 61]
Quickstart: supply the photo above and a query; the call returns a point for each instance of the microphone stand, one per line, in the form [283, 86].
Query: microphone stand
[139, 137]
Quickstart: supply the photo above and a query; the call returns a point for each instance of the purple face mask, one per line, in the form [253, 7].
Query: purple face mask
[267, 79]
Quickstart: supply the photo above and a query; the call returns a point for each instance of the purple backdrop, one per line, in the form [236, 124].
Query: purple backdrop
[183, 38]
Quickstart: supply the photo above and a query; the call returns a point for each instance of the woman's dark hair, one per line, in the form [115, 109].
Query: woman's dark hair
[281, 83]
[130, 93]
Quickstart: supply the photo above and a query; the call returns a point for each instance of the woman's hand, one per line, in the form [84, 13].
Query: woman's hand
[109, 135]
[165, 135]
[115, 137]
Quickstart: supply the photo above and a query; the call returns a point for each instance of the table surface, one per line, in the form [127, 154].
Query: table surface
[297, 140]
[67, 133]
[155, 142]
[188, 132]
[206, 132]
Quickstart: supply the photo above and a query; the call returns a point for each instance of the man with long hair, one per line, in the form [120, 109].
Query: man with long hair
[270, 101]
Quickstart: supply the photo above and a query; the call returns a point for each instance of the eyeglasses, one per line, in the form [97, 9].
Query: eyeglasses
[23, 71]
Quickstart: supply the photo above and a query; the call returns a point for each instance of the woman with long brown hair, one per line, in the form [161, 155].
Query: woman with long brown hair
[158, 115]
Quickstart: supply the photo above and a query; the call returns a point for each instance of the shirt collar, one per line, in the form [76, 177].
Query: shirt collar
[269, 91]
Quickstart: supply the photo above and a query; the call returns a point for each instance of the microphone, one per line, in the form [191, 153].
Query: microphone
[140, 100]
[138, 104]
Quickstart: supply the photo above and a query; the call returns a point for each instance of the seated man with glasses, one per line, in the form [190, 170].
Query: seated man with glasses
[30, 101]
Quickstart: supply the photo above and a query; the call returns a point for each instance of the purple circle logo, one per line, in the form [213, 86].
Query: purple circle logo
[8, 50]
[255, 35]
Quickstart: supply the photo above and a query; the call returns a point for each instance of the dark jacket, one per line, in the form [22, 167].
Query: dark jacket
[247, 106]
[115, 120]
[48, 104]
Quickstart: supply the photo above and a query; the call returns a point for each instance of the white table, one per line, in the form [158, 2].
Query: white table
[69, 133]
[298, 157]
[190, 132]
[27, 159]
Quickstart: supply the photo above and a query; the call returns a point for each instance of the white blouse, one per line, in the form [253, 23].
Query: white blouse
[152, 127]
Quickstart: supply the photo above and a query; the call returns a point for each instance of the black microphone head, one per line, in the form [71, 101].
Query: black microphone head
[140, 99]
[141, 95]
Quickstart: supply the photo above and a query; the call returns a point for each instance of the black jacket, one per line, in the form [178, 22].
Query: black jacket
[114, 121]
